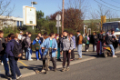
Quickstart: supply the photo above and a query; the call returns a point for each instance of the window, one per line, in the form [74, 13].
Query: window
[17, 23]
[20, 23]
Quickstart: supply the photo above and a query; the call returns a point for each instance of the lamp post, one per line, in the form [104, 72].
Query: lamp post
[33, 3]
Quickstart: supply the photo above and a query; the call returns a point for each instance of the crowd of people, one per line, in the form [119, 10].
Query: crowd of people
[14, 45]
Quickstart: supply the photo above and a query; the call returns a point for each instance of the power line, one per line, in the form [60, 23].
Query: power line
[110, 4]
[106, 6]
[115, 2]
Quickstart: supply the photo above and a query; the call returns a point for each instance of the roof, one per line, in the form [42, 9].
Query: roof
[11, 18]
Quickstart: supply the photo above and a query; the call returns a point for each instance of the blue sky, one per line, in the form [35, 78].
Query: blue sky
[51, 6]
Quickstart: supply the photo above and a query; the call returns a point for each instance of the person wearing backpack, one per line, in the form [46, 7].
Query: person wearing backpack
[13, 53]
[87, 42]
[3, 54]
[79, 41]
[67, 47]
[27, 44]
[37, 43]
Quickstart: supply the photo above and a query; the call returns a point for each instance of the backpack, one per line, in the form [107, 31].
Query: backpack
[86, 40]
[25, 43]
[37, 45]
[15, 50]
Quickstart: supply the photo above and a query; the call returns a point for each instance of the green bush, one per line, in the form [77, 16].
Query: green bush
[9, 30]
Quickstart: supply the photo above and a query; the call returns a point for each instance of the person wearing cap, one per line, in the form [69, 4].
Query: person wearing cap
[20, 35]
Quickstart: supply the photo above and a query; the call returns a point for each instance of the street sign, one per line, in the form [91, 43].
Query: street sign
[29, 15]
[58, 17]
[58, 23]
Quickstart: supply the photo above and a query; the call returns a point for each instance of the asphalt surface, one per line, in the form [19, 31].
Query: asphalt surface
[97, 69]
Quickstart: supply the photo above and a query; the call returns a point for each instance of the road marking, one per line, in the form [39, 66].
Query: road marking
[23, 63]
[59, 66]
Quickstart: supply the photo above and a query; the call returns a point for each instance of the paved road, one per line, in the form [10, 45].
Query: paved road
[28, 68]
[97, 69]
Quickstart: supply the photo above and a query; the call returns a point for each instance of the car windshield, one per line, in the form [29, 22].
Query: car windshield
[117, 29]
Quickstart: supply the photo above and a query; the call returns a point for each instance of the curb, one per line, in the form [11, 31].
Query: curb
[59, 66]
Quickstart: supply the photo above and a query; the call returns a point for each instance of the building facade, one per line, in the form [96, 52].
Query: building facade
[6, 21]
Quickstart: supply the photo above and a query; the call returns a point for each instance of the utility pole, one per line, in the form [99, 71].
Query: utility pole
[62, 16]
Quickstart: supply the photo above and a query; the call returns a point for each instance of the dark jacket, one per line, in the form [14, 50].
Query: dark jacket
[100, 37]
[108, 40]
[60, 43]
[95, 39]
[2, 46]
[10, 47]
[41, 39]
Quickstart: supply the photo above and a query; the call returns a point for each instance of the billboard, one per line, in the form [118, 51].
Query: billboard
[29, 16]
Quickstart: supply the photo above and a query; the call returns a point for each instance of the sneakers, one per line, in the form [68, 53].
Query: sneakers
[114, 56]
[38, 60]
[67, 69]
[7, 75]
[63, 69]
[30, 59]
[2, 63]
[19, 77]
[54, 70]
[42, 70]
[79, 58]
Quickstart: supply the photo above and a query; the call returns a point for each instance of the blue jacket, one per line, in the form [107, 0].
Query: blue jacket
[46, 44]
[9, 48]
[34, 42]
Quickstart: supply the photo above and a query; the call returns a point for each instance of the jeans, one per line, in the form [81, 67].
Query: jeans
[28, 53]
[6, 67]
[47, 65]
[80, 50]
[37, 54]
[113, 50]
[14, 68]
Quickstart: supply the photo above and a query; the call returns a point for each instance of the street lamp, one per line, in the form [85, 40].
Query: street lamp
[33, 3]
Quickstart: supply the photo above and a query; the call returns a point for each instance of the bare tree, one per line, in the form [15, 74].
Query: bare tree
[82, 5]
[5, 7]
